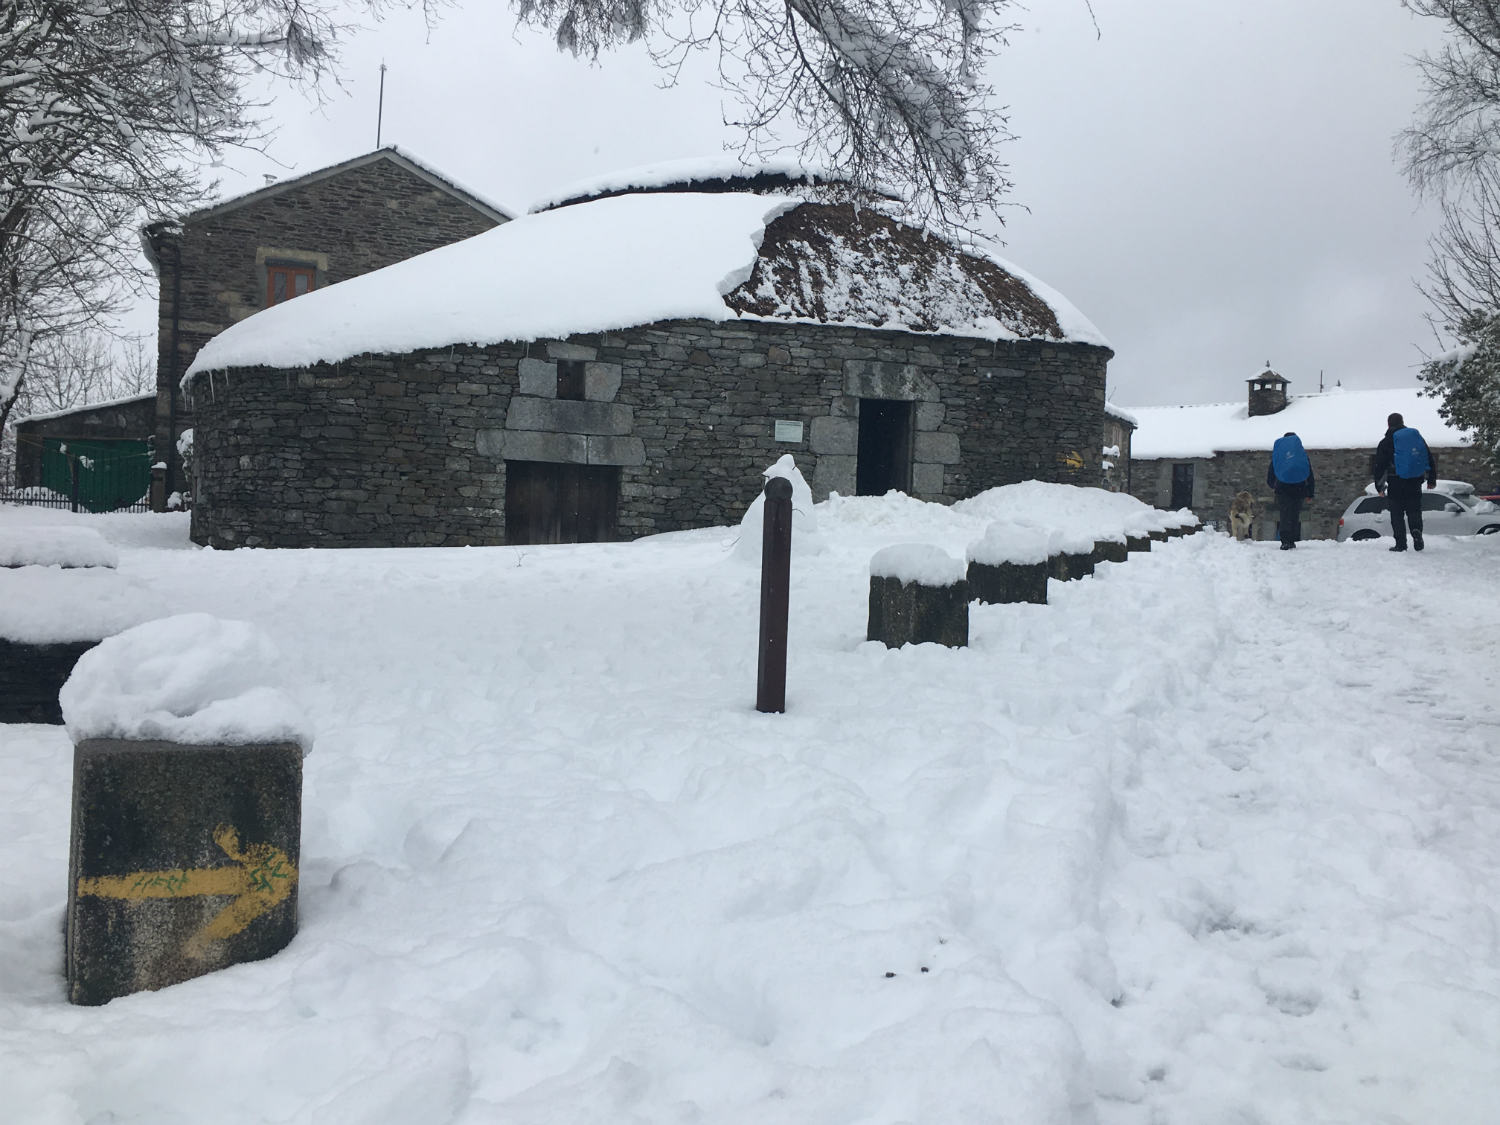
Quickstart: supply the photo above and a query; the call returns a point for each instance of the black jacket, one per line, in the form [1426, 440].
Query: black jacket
[1383, 464]
[1303, 486]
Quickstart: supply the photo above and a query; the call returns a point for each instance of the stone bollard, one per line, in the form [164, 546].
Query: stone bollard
[1109, 550]
[1137, 543]
[38, 655]
[1158, 535]
[183, 860]
[1009, 565]
[31, 675]
[1068, 566]
[918, 595]
[187, 807]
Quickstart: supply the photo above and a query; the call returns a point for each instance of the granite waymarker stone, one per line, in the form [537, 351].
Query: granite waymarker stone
[1009, 565]
[1109, 550]
[918, 594]
[187, 806]
[183, 860]
[31, 675]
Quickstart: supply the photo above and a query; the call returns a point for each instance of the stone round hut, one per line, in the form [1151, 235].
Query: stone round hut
[627, 360]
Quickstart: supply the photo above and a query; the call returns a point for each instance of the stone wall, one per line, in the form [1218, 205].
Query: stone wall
[357, 220]
[397, 450]
[1115, 466]
[1340, 474]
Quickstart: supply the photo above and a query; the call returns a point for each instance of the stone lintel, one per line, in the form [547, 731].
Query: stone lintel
[869, 378]
[559, 349]
[566, 416]
[616, 451]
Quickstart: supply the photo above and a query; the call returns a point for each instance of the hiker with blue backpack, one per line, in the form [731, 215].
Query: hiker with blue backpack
[1402, 459]
[1290, 474]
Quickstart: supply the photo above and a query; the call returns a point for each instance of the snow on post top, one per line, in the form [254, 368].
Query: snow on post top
[638, 259]
[43, 545]
[191, 679]
[1019, 544]
[805, 537]
[922, 563]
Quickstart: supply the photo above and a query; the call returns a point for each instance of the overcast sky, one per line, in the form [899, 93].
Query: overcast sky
[1211, 183]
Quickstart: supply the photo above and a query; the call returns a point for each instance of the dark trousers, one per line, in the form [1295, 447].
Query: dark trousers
[1404, 498]
[1289, 511]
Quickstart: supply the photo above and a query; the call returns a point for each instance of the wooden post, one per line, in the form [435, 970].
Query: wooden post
[775, 596]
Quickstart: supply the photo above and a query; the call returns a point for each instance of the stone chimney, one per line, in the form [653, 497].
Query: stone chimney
[1267, 393]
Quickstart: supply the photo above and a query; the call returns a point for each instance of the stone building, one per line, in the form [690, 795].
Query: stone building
[628, 361]
[1198, 457]
[219, 265]
[1119, 426]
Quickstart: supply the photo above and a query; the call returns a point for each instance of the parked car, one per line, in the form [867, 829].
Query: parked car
[1452, 508]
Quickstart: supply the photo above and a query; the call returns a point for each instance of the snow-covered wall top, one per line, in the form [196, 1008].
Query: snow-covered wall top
[1332, 420]
[632, 260]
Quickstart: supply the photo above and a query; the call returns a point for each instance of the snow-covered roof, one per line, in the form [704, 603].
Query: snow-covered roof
[631, 260]
[1121, 413]
[1336, 419]
[85, 408]
[400, 155]
[722, 169]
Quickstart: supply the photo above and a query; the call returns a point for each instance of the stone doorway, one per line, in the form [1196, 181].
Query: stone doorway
[885, 446]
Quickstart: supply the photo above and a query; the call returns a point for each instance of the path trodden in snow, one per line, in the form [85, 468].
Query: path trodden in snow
[1211, 838]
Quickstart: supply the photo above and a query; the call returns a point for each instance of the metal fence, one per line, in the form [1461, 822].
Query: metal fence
[40, 497]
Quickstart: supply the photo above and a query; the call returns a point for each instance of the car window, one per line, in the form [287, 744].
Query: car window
[1371, 504]
[1435, 501]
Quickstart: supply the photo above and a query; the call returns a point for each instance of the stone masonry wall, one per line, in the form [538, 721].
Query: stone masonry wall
[361, 219]
[1340, 475]
[411, 449]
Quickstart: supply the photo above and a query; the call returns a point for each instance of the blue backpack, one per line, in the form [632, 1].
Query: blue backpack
[1289, 460]
[1410, 459]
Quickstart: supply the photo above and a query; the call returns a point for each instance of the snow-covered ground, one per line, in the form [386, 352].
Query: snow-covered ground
[1212, 838]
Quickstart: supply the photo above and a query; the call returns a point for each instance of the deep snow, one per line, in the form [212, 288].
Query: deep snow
[1214, 837]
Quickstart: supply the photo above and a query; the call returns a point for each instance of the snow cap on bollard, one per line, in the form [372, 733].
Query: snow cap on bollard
[805, 537]
[192, 679]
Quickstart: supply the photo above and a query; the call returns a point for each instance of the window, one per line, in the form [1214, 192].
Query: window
[1435, 502]
[570, 379]
[285, 280]
[1371, 504]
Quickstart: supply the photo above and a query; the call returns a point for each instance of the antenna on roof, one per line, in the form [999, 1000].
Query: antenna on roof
[380, 105]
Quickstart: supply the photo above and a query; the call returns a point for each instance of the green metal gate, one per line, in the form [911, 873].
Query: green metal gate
[111, 474]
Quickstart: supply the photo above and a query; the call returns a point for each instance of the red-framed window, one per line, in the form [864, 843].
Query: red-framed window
[287, 280]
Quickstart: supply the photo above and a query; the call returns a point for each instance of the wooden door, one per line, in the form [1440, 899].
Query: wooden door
[549, 502]
[885, 447]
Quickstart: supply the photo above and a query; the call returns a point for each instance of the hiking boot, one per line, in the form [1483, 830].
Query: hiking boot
[1416, 541]
[1399, 547]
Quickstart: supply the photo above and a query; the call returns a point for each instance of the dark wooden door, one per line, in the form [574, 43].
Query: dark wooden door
[885, 438]
[547, 502]
[1182, 487]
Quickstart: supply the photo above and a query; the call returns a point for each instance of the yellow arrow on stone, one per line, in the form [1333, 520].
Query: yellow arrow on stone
[261, 878]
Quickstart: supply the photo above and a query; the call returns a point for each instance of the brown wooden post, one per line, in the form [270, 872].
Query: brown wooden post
[775, 596]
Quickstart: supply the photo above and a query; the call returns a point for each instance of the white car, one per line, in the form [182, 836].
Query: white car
[1452, 508]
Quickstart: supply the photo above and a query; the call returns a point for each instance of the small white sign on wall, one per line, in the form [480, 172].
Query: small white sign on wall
[788, 431]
